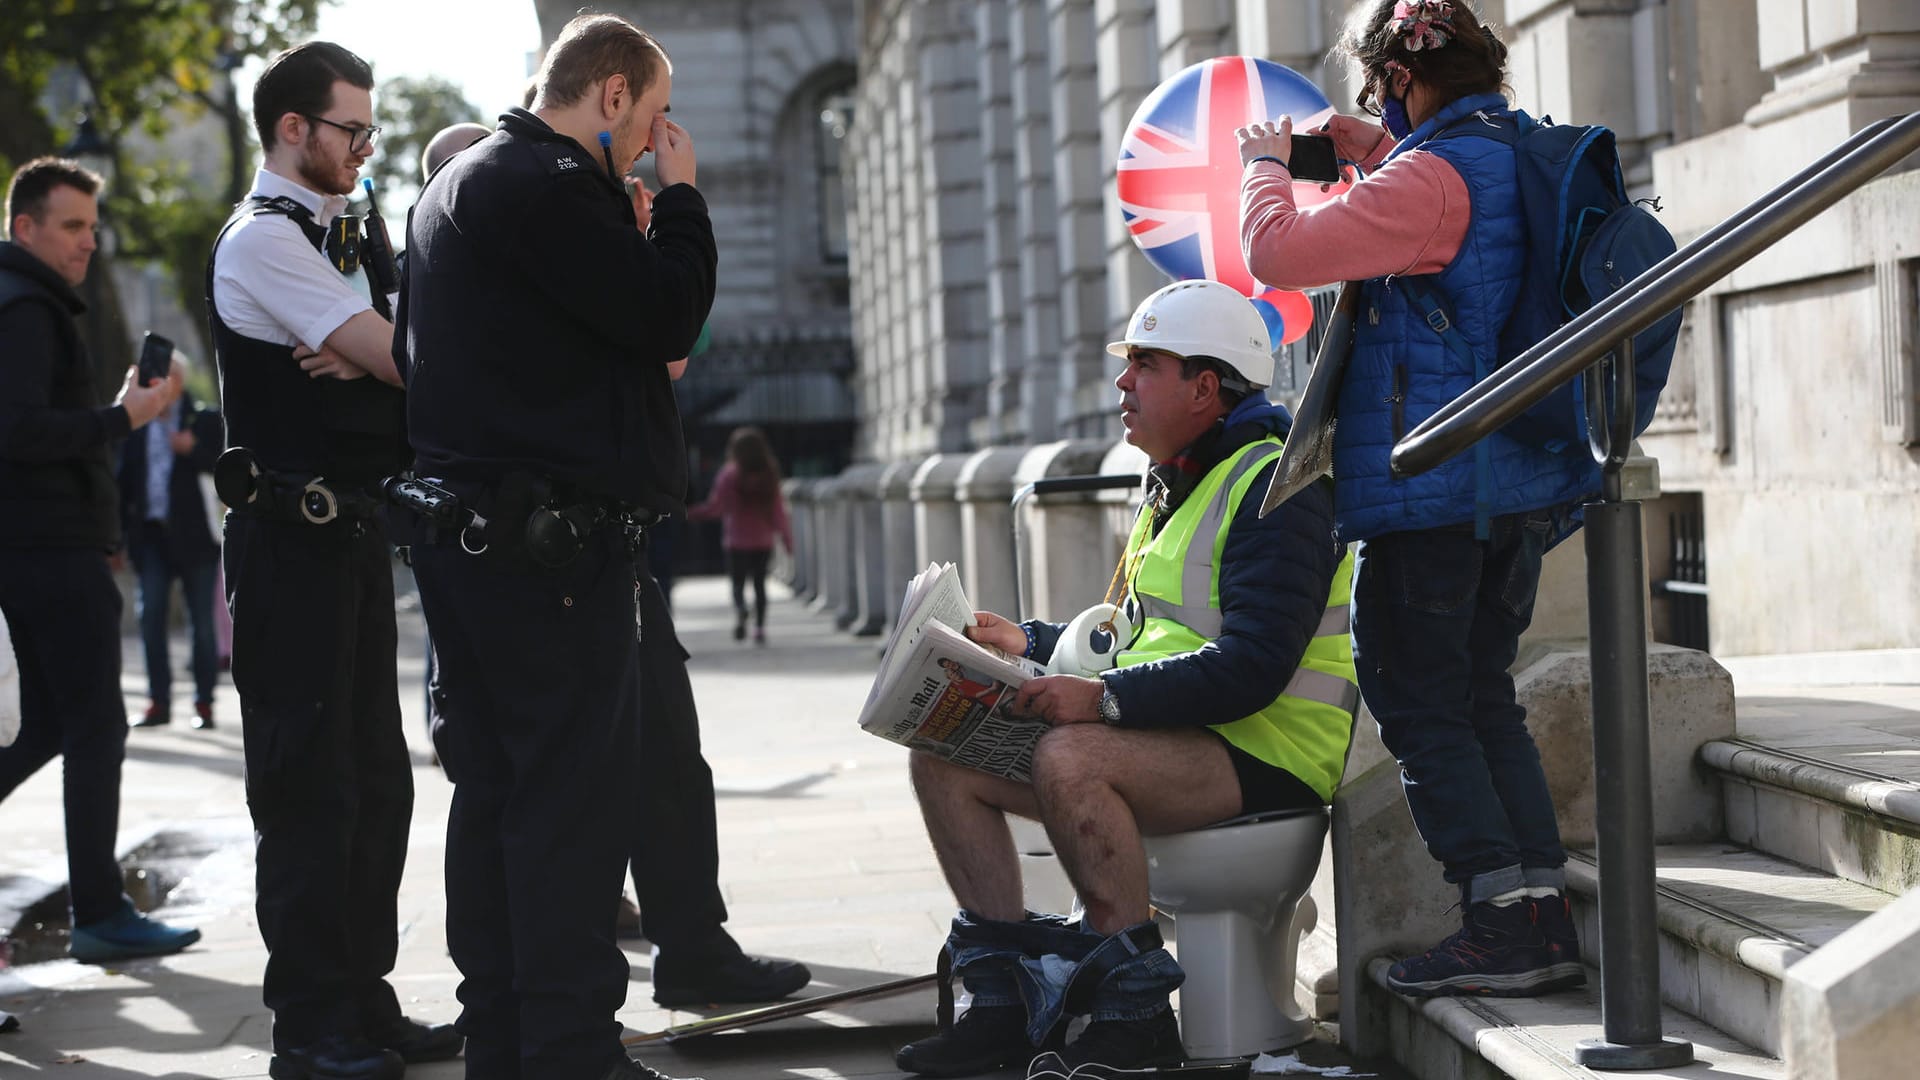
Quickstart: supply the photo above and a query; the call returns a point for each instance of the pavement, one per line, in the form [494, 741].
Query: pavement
[823, 859]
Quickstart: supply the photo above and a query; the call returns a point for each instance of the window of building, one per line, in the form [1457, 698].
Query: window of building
[830, 133]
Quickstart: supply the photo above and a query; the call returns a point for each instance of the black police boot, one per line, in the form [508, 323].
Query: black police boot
[737, 979]
[628, 1069]
[1127, 1044]
[985, 1038]
[416, 1042]
[337, 1057]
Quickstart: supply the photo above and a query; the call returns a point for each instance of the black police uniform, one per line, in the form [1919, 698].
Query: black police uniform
[537, 324]
[329, 780]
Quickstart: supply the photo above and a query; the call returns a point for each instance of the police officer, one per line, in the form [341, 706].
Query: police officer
[315, 420]
[537, 324]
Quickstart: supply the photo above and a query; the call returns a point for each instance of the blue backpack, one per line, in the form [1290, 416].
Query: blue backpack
[1584, 240]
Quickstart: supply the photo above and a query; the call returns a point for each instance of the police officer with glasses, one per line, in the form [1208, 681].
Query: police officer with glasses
[315, 421]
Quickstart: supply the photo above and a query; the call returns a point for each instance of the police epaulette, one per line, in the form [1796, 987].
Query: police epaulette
[563, 160]
[279, 204]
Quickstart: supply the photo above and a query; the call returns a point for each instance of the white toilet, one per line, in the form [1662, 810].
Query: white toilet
[1233, 891]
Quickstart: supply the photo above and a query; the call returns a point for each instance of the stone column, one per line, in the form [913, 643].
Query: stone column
[1079, 175]
[897, 528]
[1128, 55]
[952, 388]
[984, 490]
[936, 516]
[1000, 198]
[1037, 213]
[1066, 554]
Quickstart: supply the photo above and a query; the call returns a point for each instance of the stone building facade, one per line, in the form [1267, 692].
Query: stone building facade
[765, 88]
[988, 261]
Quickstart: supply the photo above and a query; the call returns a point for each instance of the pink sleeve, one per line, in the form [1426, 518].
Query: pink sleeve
[719, 501]
[1410, 217]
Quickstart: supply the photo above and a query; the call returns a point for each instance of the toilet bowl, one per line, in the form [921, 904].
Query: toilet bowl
[1234, 893]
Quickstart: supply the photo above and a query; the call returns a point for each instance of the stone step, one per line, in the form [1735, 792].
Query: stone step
[1484, 1038]
[1851, 822]
[1732, 920]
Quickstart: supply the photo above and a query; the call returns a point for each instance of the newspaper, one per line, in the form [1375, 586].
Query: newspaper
[939, 692]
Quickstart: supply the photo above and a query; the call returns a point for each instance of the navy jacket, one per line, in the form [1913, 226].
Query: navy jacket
[56, 465]
[188, 535]
[536, 323]
[1274, 577]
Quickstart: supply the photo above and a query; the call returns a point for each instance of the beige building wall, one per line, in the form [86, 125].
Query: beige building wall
[1789, 434]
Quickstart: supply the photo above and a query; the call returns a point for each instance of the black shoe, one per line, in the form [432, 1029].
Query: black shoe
[739, 979]
[202, 716]
[985, 1038]
[628, 1069]
[337, 1057]
[415, 1041]
[155, 716]
[1127, 1044]
[626, 922]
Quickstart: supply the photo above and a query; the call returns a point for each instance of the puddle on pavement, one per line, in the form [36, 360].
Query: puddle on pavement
[149, 876]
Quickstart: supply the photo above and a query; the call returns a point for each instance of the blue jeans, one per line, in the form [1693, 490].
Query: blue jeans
[1437, 618]
[157, 567]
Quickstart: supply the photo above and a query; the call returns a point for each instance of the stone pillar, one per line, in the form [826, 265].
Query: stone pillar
[984, 490]
[831, 563]
[1128, 73]
[1037, 212]
[1295, 34]
[936, 513]
[1192, 31]
[1066, 553]
[1079, 176]
[1000, 419]
[799, 496]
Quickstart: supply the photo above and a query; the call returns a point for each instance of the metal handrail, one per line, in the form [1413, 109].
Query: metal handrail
[1648, 298]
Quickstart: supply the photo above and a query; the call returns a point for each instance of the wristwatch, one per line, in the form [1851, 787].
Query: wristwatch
[1109, 708]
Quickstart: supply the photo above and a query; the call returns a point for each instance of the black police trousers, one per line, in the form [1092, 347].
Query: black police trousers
[63, 613]
[329, 779]
[537, 691]
[676, 849]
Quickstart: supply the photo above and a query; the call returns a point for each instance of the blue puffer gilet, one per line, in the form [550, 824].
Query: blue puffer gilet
[1401, 371]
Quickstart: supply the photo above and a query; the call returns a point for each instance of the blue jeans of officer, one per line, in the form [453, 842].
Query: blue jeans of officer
[1437, 619]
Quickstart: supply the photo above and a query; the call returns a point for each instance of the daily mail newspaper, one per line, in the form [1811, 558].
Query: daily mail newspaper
[939, 692]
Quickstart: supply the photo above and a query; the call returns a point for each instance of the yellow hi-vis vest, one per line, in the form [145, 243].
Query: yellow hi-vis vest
[1174, 594]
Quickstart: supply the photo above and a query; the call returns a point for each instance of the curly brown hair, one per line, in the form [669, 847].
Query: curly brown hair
[1473, 61]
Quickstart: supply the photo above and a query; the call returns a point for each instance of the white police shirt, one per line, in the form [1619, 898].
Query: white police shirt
[270, 284]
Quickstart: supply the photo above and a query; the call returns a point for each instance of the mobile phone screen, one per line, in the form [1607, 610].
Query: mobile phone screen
[1313, 159]
[156, 359]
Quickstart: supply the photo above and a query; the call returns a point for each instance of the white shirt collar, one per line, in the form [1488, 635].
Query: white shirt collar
[324, 207]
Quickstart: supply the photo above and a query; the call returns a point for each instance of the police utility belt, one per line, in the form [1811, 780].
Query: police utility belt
[525, 515]
[244, 485]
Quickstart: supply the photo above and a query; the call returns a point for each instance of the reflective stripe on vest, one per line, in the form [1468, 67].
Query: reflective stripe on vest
[1175, 584]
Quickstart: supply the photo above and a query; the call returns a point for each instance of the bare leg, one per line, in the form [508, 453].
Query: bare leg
[1100, 789]
[966, 815]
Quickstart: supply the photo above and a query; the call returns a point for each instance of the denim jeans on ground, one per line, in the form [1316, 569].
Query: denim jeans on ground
[1032, 962]
[157, 570]
[1437, 618]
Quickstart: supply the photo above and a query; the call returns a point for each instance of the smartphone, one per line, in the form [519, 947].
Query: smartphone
[1313, 159]
[156, 359]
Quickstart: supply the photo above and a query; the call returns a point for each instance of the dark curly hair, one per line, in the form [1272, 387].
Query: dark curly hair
[1473, 61]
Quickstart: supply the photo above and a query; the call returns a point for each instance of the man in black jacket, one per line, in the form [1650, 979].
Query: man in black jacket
[58, 520]
[170, 539]
[536, 324]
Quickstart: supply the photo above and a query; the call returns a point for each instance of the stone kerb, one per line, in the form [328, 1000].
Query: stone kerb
[1066, 544]
[984, 490]
[1389, 897]
[868, 527]
[895, 491]
[1853, 1007]
[936, 514]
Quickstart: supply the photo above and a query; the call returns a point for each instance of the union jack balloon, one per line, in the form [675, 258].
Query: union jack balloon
[1179, 174]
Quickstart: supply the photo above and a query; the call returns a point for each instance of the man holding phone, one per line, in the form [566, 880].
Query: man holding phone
[58, 520]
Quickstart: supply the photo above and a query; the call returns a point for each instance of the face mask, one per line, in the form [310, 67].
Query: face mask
[1393, 117]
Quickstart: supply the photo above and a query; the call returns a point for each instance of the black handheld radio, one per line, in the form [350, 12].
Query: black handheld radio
[376, 254]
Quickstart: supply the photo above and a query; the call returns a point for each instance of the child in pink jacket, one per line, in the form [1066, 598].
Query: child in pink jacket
[747, 501]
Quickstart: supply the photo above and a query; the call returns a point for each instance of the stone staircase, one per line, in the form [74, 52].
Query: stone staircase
[1821, 815]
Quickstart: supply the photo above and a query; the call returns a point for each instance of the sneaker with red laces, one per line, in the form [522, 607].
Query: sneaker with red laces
[1499, 951]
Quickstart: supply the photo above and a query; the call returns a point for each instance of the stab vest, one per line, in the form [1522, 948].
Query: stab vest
[352, 432]
[1176, 586]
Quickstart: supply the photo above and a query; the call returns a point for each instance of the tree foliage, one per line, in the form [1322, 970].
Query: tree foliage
[410, 111]
[148, 67]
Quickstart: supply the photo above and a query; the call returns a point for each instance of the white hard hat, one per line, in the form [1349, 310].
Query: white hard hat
[1203, 318]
